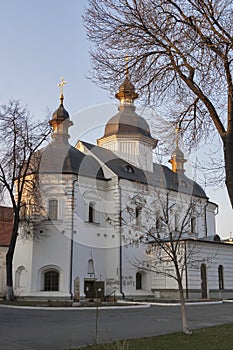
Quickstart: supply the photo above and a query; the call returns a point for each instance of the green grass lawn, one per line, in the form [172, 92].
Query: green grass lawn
[214, 338]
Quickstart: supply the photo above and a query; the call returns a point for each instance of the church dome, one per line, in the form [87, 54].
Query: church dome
[60, 123]
[177, 160]
[127, 122]
[61, 113]
[127, 134]
[177, 153]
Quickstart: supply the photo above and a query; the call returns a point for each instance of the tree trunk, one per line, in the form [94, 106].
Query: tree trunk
[9, 276]
[228, 155]
[9, 259]
[185, 328]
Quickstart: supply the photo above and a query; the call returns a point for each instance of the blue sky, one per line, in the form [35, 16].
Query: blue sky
[40, 42]
[44, 40]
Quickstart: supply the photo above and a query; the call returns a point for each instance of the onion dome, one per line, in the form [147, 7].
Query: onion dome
[61, 120]
[177, 161]
[126, 94]
[61, 113]
[127, 122]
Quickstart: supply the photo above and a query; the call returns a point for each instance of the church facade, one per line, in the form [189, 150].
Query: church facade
[84, 229]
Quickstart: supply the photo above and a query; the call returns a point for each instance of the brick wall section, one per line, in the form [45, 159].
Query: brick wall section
[6, 225]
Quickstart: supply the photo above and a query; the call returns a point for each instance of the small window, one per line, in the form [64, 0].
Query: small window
[193, 225]
[182, 183]
[91, 212]
[220, 277]
[129, 169]
[51, 281]
[176, 222]
[53, 209]
[90, 267]
[138, 280]
[159, 221]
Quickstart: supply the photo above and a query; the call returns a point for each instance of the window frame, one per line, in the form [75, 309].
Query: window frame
[53, 283]
[138, 279]
[176, 221]
[221, 277]
[51, 215]
[91, 212]
[193, 224]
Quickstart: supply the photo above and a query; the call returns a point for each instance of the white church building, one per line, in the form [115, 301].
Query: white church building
[94, 202]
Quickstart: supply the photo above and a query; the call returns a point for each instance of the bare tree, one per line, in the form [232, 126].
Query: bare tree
[163, 230]
[180, 55]
[21, 137]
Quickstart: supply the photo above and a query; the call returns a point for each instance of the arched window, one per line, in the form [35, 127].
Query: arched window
[91, 212]
[18, 276]
[220, 277]
[138, 280]
[53, 209]
[203, 281]
[51, 281]
[90, 267]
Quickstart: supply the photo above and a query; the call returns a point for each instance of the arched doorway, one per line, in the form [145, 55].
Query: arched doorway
[138, 280]
[203, 281]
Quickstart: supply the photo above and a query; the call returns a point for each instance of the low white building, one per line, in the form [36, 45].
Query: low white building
[94, 201]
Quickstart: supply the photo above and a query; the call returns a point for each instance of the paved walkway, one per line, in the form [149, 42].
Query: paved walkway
[22, 329]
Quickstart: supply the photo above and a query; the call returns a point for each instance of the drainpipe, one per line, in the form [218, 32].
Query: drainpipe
[186, 270]
[72, 239]
[120, 248]
[206, 233]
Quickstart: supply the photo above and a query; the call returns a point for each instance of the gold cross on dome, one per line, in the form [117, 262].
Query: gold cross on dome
[61, 85]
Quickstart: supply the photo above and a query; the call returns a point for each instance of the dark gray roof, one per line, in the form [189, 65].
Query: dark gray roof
[162, 176]
[61, 113]
[212, 238]
[127, 122]
[61, 158]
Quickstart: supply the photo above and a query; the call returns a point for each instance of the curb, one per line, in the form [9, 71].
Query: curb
[137, 306]
[177, 304]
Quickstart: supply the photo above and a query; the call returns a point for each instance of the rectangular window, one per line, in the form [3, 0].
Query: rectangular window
[91, 212]
[176, 222]
[220, 277]
[193, 225]
[51, 281]
[158, 220]
[53, 209]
